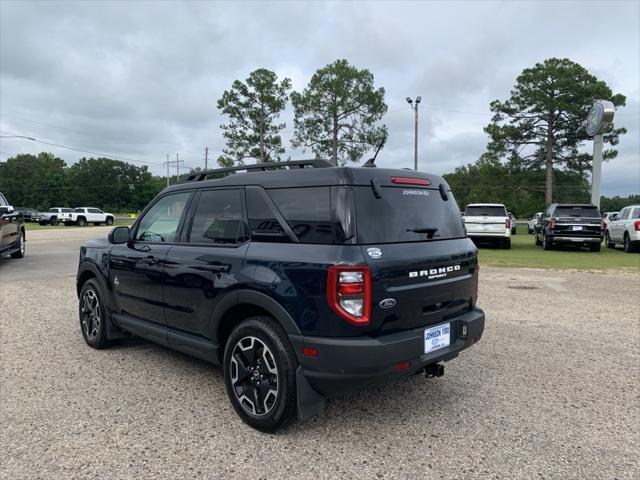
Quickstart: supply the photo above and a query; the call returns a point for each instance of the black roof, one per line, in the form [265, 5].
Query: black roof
[321, 175]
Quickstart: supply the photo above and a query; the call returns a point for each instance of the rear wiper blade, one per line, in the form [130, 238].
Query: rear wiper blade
[430, 231]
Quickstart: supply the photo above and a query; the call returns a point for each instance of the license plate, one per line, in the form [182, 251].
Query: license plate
[436, 338]
[577, 227]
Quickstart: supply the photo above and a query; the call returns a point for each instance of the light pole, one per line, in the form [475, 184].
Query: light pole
[415, 140]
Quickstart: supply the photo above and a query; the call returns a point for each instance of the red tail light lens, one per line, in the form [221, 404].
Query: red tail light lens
[507, 223]
[411, 181]
[552, 224]
[636, 225]
[349, 293]
[603, 226]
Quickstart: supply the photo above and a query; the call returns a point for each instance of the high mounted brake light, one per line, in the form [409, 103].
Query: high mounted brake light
[411, 181]
[349, 293]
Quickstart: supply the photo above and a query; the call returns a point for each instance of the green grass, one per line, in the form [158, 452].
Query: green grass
[524, 253]
[35, 226]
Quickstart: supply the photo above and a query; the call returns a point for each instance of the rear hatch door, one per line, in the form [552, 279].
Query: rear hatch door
[423, 267]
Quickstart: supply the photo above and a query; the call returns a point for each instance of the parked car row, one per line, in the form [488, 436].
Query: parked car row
[582, 224]
[69, 216]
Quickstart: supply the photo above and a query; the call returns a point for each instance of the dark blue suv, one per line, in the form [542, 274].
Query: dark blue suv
[302, 280]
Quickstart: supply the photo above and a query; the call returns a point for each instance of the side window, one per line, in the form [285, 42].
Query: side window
[78, 210]
[625, 214]
[263, 225]
[636, 213]
[3, 201]
[308, 212]
[94, 210]
[218, 218]
[160, 223]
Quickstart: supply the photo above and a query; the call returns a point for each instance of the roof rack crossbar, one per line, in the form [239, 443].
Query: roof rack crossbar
[263, 167]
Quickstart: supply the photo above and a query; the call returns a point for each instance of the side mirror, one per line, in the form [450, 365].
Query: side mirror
[6, 209]
[119, 235]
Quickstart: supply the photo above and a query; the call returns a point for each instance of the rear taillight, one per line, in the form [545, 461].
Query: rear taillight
[507, 223]
[636, 225]
[349, 293]
[477, 281]
[552, 224]
[411, 181]
[603, 226]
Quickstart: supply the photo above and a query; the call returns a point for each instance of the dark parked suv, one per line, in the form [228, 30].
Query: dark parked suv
[570, 224]
[303, 280]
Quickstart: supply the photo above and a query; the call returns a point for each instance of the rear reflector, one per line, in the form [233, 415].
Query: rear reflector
[400, 366]
[310, 352]
[411, 181]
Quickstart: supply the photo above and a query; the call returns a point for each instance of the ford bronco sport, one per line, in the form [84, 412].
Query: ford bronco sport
[302, 280]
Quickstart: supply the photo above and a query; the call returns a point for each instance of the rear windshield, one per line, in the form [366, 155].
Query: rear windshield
[395, 217]
[487, 211]
[577, 211]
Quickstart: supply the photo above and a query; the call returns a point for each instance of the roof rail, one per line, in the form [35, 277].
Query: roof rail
[258, 167]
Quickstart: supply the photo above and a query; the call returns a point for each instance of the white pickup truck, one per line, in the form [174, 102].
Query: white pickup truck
[83, 215]
[488, 222]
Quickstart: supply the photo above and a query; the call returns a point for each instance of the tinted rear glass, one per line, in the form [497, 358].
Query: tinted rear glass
[307, 210]
[487, 211]
[392, 218]
[577, 211]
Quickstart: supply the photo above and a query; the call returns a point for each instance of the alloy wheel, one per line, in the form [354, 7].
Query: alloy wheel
[254, 376]
[90, 314]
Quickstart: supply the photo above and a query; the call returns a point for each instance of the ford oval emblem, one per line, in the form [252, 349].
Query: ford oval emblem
[388, 303]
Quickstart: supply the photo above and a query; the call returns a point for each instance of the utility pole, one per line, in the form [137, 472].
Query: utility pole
[206, 157]
[415, 139]
[177, 162]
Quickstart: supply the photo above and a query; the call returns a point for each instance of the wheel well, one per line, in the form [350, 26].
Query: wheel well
[231, 318]
[82, 279]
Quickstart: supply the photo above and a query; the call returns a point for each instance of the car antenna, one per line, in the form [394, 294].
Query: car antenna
[371, 163]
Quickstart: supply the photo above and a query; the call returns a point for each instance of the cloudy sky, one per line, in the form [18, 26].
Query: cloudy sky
[138, 80]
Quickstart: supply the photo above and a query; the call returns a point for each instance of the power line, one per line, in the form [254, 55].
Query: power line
[103, 155]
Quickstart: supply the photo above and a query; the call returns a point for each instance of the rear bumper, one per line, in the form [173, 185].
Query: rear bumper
[506, 234]
[348, 364]
[574, 240]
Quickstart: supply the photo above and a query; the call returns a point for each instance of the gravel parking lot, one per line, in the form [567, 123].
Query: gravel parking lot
[551, 391]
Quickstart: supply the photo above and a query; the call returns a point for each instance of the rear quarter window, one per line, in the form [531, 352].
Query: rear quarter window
[307, 211]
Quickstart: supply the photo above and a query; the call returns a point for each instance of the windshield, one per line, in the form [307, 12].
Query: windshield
[485, 211]
[406, 215]
[577, 211]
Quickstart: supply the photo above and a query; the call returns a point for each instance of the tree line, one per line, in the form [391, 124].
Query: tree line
[44, 180]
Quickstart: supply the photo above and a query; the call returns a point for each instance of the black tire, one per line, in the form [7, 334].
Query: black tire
[537, 240]
[263, 336]
[109, 221]
[54, 221]
[81, 221]
[628, 246]
[529, 231]
[93, 317]
[507, 244]
[546, 243]
[607, 240]
[594, 247]
[20, 253]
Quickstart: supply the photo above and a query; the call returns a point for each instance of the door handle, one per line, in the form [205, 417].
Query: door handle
[150, 260]
[216, 268]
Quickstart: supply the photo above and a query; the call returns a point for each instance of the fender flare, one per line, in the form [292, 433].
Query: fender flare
[251, 297]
